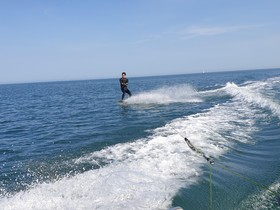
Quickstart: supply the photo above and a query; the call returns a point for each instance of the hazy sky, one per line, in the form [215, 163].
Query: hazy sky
[47, 40]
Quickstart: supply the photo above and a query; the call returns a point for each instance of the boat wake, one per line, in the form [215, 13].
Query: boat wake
[147, 173]
[167, 95]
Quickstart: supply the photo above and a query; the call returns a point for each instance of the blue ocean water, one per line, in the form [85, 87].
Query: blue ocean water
[72, 145]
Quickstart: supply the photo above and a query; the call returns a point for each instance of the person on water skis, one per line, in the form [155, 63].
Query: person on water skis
[124, 85]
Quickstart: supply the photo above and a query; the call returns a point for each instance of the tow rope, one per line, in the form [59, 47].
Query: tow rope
[212, 162]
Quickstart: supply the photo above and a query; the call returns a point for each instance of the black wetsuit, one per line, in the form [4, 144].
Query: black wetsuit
[124, 84]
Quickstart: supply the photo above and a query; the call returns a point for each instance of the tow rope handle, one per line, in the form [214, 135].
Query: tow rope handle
[192, 147]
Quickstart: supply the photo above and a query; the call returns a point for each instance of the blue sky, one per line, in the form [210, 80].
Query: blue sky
[50, 40]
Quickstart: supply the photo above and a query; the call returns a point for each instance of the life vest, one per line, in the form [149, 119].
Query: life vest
[123, 82]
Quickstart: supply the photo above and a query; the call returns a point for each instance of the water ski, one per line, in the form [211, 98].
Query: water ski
[176, 208]
[122, 102]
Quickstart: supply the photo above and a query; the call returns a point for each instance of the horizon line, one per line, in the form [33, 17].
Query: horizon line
[76, 80]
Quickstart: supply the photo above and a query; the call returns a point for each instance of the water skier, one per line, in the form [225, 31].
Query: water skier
[124, 85]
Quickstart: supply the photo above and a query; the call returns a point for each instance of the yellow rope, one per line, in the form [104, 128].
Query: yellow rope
[247, 178]
[211, 195]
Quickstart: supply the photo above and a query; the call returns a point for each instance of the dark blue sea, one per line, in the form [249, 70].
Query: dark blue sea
[72, 145]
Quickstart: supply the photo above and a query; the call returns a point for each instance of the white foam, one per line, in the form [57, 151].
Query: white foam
[266, 199]
[166, 95]
[251, 94]
[143, 175]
